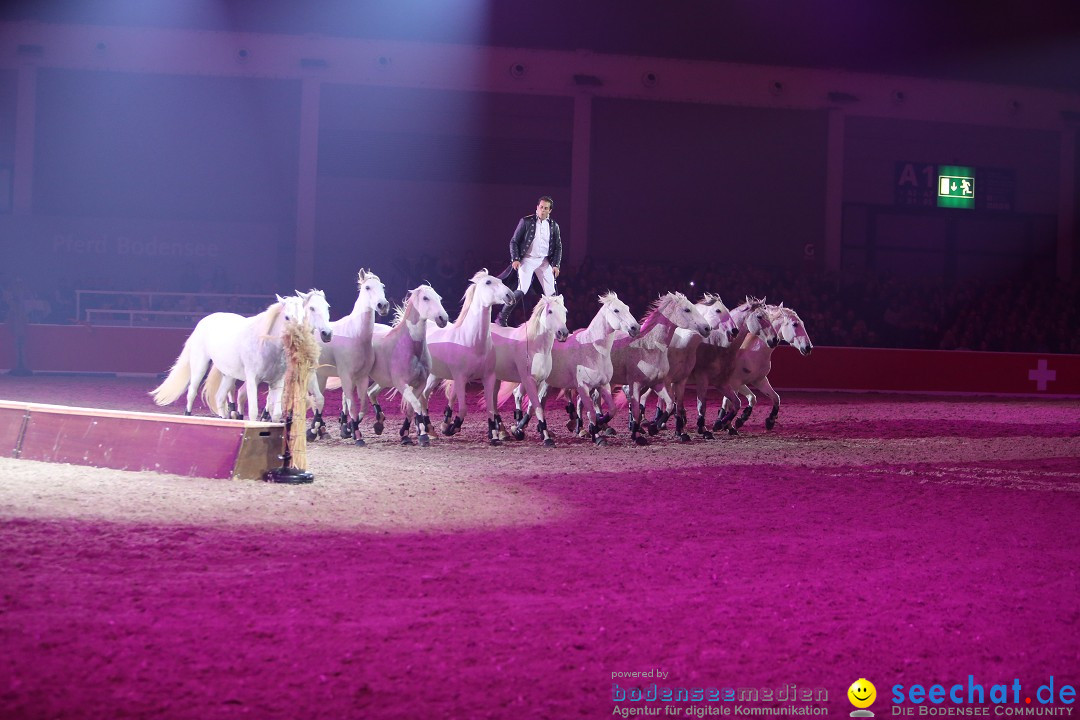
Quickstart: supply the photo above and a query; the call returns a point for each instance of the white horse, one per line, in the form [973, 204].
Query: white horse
[754, 361]
[714, 364]
[248, 348]
[523, 355]
[463, 351]
[402, 360]
[218, 390]
[349, 356]
[642, 362]
[582, 365]
[682, 356]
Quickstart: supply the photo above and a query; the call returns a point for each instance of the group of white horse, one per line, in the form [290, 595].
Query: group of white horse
[676, 344]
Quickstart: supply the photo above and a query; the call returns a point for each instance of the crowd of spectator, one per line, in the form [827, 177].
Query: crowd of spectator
[1023, 314]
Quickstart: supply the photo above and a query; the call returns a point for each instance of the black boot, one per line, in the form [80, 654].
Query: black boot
[504, 314]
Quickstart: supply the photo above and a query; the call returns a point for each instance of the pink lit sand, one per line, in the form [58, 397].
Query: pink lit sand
[898, 538]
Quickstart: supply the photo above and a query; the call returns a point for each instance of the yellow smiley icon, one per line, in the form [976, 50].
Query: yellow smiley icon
[862, 693]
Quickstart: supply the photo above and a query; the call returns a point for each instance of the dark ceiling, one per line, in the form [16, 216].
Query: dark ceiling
[1032, 43]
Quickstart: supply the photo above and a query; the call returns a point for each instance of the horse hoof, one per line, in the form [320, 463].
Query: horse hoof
[359, 442]
[732, 431]
[717, 426]
[641, 440]
[683, 437]
[425, 441]
[504, 436]
[739, 422]
[378, 428]
[770, 423]
[652, 429]
[517, 434]
[610, 431]
[322, 431]
[312, 436]
[549, 443]
[406, 440]
[496, 442]
[706, 435]
[265, 417]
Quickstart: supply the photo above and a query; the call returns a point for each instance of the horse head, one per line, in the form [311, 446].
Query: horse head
[679, 310]
[716, 313]
[789, 326]
[618, 316]
[758, 321]
[286, 311]
[428, 304]
[372, 292]
[317, 313]
[489, 290]
[550, 316]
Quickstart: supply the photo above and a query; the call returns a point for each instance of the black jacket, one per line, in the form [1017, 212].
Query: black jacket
[523, 236]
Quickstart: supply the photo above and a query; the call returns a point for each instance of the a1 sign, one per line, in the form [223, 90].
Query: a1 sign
[916, 184]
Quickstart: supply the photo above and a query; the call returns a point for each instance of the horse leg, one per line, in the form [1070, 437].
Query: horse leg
[252, 383]
[663, 413]
[361, 386]
[733, 401]
[637, 412]
[418, 404]
[373, 395]
[495, 426]
[317, 429]
[751, 400]
[587, 415]
[453, 428]
[766, 387]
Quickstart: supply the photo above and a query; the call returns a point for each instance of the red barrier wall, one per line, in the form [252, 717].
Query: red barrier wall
[80, 348]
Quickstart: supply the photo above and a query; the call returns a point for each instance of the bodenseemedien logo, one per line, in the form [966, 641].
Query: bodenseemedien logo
[862, 694]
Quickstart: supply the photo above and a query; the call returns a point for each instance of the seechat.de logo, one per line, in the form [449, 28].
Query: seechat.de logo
[862, 694]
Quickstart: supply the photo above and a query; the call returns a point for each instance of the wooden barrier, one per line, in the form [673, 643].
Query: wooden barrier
[175, 444]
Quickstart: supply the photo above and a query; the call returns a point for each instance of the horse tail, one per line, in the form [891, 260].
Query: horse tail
[506, 391]
[177, 381]
[210, 388]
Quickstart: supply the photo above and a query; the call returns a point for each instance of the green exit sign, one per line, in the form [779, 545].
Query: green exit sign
[956, 186]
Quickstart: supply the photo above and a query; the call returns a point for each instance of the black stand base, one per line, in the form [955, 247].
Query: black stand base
[285, 473]
[289, 475]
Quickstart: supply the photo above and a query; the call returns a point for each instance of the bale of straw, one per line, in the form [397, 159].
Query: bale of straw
[302, 353]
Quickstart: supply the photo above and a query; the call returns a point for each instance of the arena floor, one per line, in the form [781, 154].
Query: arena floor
[902, 539]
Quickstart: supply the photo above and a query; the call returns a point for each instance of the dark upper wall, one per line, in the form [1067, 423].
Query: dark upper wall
[689, 183]
[165, 147]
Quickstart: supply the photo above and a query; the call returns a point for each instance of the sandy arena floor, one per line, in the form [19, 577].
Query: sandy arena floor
[902, 539]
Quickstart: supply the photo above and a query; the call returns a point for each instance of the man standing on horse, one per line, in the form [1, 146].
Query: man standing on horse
[535, 249]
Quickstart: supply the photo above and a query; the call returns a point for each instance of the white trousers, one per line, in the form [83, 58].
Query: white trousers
[539, 267]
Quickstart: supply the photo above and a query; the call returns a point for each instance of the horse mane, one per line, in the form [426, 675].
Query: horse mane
[607, 297]
[269, 317]
[661, 303]
[533, 323]
[400, 311]
[710, 299]
[466, 303]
